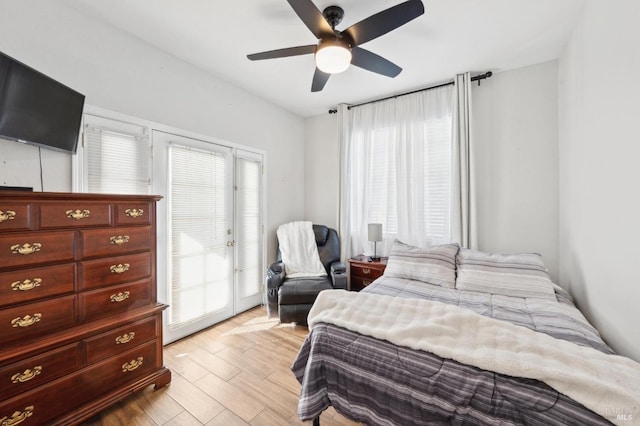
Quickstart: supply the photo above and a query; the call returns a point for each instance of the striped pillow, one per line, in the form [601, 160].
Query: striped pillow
[435, 265]
[519, 275]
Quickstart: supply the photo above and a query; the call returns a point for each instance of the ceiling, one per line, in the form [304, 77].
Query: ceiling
[453, 36]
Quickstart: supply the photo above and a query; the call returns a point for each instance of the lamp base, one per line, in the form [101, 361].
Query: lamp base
[375, 256]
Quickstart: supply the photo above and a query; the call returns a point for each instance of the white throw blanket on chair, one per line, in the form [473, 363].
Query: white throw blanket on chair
[299, 250]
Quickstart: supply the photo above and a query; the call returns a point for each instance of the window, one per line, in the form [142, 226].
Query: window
[398, 169]
[117, 156]
[248, 189]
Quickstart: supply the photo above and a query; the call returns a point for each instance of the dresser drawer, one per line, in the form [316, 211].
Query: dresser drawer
[35, 319]
[74, 214]
[366, 272]
[36, 247]
[104, 272]
[15, 216]
[43, 405]
[33, 372]
[112, 300]
[358, 283]
[119, 340]
[133, 213]
[114, 241]
[133, 363]
[35, 283]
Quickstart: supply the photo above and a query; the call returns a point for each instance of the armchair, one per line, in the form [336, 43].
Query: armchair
[292, 298]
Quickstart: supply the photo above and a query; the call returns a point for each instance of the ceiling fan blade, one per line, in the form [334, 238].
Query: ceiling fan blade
[381, 23]
[371, 62]
[281, 53]
[319, 80]
[312, 17]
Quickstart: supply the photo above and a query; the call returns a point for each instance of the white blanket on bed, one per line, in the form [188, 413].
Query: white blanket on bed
[299, 250]
[606, 384]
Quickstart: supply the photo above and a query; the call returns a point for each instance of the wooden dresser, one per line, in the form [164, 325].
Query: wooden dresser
[80, 326]
[362, 272]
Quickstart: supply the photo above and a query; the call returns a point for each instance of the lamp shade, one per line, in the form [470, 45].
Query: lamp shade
[375, 231]
[333, 56]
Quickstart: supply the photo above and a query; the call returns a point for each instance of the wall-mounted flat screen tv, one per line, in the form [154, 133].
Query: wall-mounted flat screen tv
[36, 109]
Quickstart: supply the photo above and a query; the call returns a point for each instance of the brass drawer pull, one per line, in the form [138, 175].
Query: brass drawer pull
[119, 297]
[132, 365]
[134, 212]
[27, 375]
[17, 417]
[25, 249]
[26, 285]
[7, 215]
[125, 338]
[366, 283]
[78, 214]
[118, 269]
[26, 321]
[119, 240]
[366, 271]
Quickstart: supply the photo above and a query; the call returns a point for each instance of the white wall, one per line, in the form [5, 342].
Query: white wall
[515, 130]
[322, 169]
[599, 173]
[118, 72]
[20, 166]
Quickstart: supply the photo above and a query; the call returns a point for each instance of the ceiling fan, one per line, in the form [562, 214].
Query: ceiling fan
[335, 49]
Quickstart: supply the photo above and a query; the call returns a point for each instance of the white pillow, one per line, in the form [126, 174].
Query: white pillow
[435, 265]
[519, 275]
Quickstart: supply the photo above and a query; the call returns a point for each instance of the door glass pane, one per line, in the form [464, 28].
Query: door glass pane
[248, 227]
[199, 256]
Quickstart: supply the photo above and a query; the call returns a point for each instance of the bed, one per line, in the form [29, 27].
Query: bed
[377, 382]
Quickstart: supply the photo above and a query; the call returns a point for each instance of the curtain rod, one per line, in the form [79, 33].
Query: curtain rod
[477, 78]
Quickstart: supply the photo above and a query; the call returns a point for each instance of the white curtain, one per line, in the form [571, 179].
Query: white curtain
[343, 134]
[463, 217]
[396, 170]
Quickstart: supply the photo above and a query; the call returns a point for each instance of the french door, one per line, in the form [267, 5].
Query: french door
[212, 215]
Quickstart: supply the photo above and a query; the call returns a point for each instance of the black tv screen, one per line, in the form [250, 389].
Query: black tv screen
[37, 109]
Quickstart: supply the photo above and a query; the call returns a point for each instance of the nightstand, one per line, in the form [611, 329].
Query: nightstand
[362, 272]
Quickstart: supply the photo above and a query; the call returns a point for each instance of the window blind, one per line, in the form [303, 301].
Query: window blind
[118, 157]
[248, 226]
[198, 251]
[437, 180]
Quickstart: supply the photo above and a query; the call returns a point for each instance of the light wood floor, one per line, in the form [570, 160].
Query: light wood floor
[235, 373]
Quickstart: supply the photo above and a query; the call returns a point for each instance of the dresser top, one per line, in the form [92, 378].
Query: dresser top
[28, 195]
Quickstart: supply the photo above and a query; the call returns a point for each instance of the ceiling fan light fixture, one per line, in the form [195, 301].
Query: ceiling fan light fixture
[333, 56]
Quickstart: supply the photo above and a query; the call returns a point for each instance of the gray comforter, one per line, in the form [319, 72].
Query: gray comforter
[378, 383]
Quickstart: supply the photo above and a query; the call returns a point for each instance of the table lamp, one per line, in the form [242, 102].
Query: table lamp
[375, 235]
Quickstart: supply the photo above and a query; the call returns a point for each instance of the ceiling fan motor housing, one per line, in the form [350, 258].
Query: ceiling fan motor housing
[333, 15]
